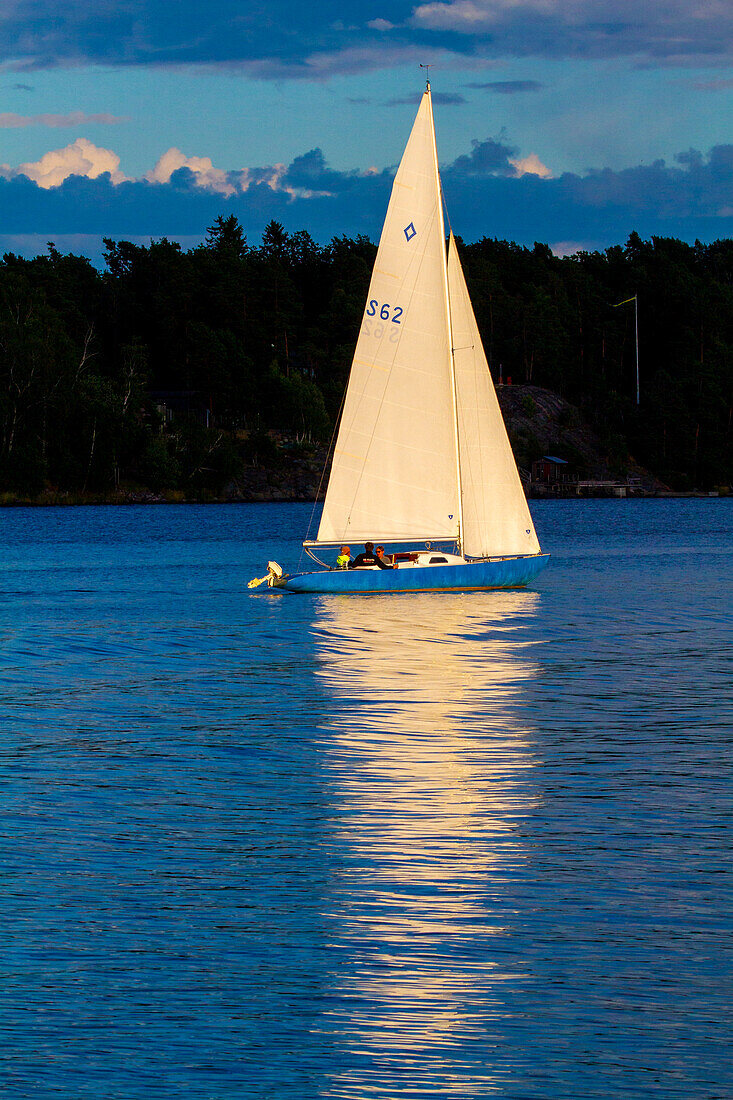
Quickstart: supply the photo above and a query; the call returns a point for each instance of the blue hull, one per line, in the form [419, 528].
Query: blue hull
[473, 576]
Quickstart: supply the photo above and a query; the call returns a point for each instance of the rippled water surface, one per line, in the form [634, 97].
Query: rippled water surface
[279, 846]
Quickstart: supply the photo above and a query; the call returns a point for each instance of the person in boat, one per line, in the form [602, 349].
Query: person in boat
[344, 559]
[368, 558]
[382, 560]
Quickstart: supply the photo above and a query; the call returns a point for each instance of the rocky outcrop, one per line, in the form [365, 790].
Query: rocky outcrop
[540, 422]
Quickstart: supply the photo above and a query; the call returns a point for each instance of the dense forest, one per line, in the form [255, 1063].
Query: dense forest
[252, 345]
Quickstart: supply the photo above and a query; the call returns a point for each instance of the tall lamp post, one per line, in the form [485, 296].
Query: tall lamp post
[625, 302]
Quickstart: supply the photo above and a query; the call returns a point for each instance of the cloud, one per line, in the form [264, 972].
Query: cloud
[309, 176]
[201, 168]
[351, 60]
[488, 157]
[9, 121]
[712, 85]
[508, 87]
[491, 190]
[404, 100]
[530, 166]
[81, 158]
[469, 16]
[276, 40]
[285, 40]
[494, 158]
[663, 32]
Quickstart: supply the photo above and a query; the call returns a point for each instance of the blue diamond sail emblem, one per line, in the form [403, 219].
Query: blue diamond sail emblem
[410, 232]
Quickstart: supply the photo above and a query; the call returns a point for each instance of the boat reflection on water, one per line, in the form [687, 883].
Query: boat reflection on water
[430, 770]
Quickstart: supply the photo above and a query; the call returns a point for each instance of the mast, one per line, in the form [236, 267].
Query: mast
[449, 323]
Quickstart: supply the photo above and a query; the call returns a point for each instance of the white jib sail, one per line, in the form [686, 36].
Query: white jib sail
[496, 519]
[394, 474]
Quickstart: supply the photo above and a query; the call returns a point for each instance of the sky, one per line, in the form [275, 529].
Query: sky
[571, 122]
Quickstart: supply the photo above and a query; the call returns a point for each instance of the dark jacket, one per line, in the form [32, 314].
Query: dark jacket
[368, 559]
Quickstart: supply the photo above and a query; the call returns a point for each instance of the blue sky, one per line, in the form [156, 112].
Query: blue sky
[567, 121]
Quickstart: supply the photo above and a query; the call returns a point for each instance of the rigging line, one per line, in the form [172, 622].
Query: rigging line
[488, 382]
[329, 453]
[446, 215]
[466, 303]
[449, 319]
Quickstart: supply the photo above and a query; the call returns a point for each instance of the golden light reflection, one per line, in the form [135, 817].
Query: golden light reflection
[428, 762]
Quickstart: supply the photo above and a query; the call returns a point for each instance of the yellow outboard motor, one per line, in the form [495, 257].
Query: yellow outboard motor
[274, 572]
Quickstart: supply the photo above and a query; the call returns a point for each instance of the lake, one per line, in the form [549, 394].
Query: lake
[294, 846]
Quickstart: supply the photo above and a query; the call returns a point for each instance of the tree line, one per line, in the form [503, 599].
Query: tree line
[259, 339]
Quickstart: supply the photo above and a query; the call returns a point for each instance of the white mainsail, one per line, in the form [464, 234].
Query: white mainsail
[496, 518]
[394, 475]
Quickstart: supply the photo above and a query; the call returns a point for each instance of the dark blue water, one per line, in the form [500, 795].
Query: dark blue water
[283, 847]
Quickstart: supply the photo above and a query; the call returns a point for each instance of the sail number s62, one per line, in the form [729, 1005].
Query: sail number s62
[374, 309]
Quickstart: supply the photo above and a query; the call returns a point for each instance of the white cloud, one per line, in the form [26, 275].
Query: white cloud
[531, 166]
[213, 179]
[81, 158]
[209, 178]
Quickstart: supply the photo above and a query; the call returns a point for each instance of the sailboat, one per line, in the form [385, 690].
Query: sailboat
[422, 459]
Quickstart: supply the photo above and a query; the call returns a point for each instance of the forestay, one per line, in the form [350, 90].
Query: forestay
[394, 474]
[496, 518]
